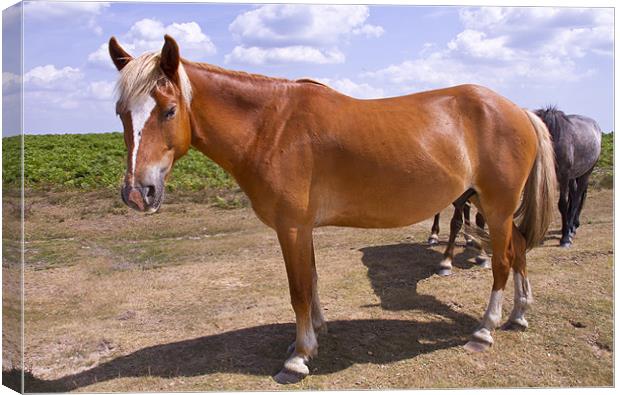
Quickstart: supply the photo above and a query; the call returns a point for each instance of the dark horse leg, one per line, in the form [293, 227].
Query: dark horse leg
[572, 202]
[445, 266]
[466, 213]
[434, 237]
[577, 199]
[482, 259]
[563, 207]
[480, 220]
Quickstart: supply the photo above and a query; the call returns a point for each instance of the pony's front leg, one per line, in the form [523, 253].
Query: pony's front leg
[296, 244]
[318, 321]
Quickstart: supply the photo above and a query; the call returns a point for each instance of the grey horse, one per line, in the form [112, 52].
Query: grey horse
[577, 146]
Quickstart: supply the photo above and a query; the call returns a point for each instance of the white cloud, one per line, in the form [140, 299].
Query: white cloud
[503, 46]
[442, 69]
[505, 19]
[579, 42]
[49, 77]
[477, 45]
[354, 89]
[287, 32]
[148, 35]
[432, 71]
[567, 31]
[369, 31]
[49, 87]
[288, 24]
[78, 13]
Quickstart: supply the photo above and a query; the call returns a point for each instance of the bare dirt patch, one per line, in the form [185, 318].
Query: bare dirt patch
[196, 298]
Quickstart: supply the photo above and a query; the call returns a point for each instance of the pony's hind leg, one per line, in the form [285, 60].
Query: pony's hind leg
[500, 231]
[433, 239]
[563, 207]
[296, 244]
[579, 199]
[523, 293]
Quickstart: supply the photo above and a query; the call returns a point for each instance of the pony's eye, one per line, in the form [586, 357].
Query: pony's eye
[169, 114]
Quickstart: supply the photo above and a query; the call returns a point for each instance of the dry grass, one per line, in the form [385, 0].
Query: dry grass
[195, 298]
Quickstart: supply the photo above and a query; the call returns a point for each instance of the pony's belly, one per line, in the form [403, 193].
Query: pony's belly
[386, 208]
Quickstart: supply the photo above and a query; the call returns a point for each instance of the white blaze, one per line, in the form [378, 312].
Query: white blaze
[140, 113]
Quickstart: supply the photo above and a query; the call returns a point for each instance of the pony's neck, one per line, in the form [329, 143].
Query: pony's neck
[228, 109]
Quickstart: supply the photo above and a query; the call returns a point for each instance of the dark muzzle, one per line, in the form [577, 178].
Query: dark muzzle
[138, 198]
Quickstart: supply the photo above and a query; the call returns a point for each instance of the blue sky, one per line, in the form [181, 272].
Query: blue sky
[534, 56]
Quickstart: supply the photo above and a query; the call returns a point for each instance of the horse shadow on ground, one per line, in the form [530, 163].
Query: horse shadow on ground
[394, 271]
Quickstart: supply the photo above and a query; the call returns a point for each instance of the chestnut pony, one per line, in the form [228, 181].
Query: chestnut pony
[308, 156]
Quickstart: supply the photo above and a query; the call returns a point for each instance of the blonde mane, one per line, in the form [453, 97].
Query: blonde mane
[140, 76]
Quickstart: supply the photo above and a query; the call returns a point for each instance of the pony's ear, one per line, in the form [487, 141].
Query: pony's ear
[118, 54]
[170, 57]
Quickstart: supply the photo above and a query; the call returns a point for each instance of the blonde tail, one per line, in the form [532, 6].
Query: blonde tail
[539, 195]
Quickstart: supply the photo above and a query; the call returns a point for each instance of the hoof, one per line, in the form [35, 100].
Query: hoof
[565, 244]
[433, 240]
[482, 335]
[483, 261]
[294, 370]
[286, 376]
[481, 340]
[445, 267]
[518, 326]
[476, 346]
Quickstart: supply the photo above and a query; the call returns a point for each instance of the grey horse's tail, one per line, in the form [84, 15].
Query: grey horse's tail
[538, 204]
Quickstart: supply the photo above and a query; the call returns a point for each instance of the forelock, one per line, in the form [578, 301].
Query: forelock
[140, 76]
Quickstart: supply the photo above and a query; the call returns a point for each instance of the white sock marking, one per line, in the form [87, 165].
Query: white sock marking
[523, 297]
[520, 296]
[493, 315]
[140, 113]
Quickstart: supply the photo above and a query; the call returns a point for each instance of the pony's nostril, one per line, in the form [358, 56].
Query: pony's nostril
[150, 192]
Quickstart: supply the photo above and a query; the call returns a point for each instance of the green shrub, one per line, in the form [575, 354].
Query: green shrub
[94, 161]
[606, 160]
